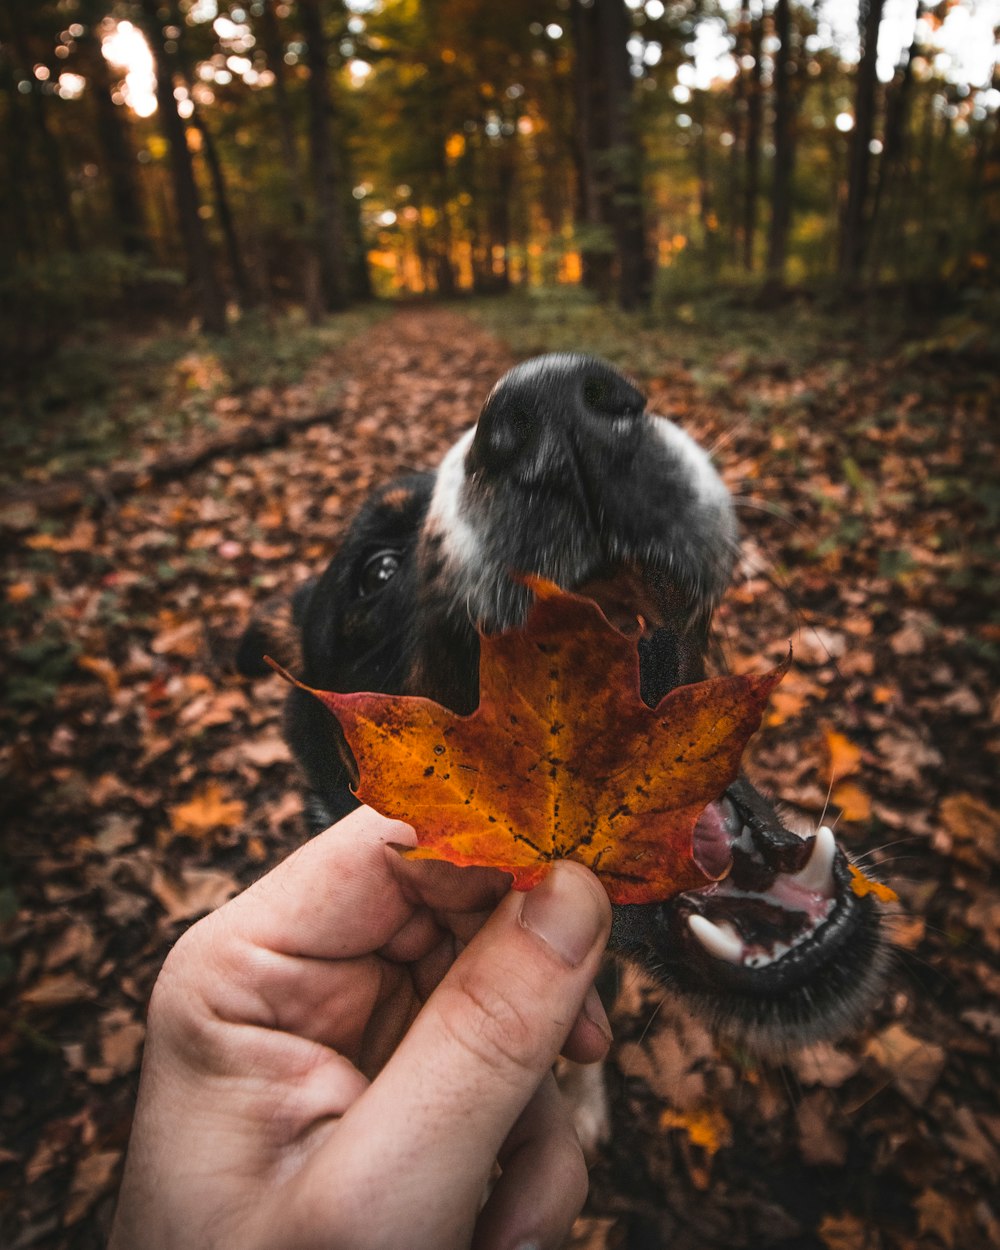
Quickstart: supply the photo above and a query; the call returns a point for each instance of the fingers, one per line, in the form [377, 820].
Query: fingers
[544, 1180]
[590, 1037]
[482, 1044]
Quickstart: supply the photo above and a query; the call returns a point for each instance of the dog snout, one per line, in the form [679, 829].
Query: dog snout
[541, 402]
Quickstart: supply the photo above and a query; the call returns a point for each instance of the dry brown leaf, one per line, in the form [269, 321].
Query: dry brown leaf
[183, 640]
[61, 989]
[196, 892]
[913, 1064]
[102, 669]
[264, 752]
[937, 1216]
[821, 1142]
[120, 1046]
[846, 1232]
[94, 1177]
[969, 819]
[823, 1064]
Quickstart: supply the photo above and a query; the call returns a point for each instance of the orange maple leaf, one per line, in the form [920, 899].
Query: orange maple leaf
[561, 759]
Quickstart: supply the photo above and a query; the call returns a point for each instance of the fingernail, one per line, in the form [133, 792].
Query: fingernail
[593, 1009]
[565, 913]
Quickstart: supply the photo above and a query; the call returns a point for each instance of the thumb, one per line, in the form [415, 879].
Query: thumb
[442, 1107]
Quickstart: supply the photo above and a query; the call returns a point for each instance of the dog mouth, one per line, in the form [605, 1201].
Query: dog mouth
[775, 896]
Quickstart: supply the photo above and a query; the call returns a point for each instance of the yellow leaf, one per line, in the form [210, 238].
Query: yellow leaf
[852, 801]
[845, 755]
[707, 1127]
[862, 885]
[209, 809]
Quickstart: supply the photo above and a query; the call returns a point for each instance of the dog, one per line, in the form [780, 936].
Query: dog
[567, 476]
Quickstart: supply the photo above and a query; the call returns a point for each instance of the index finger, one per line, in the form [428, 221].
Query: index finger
[347, 893]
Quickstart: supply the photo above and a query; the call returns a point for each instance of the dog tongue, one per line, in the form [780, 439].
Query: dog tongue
[713, 841]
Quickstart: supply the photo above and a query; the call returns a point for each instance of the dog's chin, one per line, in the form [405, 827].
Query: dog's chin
[778, 951]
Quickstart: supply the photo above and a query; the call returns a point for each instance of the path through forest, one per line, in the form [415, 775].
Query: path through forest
[144, 783]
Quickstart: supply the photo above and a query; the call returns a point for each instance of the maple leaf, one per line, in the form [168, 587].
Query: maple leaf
[561, 759]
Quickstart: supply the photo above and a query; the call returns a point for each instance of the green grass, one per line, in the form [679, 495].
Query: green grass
[108, 392]
[700, 327]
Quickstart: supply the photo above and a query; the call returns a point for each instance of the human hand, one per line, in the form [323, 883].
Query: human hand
[340, 1055]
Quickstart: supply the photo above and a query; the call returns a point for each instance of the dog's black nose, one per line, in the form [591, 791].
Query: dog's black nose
[565, 390]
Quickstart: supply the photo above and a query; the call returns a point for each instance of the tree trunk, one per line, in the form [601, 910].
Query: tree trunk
[49, 146]
[897, 120]
[331, 235]
[784, 148]
[706, 212]
[201, 269]
[18, 184]
[593, 210]
[853, 235]
[308, 264]
[755, 110]
[737, 125]
[118, 155]
[634, 270]
[609, 157]
[222, 207]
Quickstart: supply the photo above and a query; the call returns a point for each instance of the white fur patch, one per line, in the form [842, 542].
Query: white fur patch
[460, 543]
[709, 487]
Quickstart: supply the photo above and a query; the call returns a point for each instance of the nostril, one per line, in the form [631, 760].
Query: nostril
[505, 426]
[611, 396]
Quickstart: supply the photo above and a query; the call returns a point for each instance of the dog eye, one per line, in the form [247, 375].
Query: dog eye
[378, 569]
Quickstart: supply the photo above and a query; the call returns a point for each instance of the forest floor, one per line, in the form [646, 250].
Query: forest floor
[142, 783]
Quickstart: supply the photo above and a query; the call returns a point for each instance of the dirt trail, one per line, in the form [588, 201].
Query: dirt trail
[143, 784]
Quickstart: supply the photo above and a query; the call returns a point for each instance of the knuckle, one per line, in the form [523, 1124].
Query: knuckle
[493, 1026]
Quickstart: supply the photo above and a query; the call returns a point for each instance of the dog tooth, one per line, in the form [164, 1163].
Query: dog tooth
[817, 875]
[720, 940]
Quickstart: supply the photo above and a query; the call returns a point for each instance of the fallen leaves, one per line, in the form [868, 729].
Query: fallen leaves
[912, 1064]
[205, 812]
[84, 811]
[561, 759]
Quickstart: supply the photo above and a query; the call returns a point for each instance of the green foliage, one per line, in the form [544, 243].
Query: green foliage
[42, 300]
[107, 392]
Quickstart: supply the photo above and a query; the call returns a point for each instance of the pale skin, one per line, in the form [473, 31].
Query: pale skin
[344, 1054]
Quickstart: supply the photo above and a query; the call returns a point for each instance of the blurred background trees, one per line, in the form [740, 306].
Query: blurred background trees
[200, 156]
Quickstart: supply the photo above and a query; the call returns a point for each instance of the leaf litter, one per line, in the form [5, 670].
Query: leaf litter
[117, 619]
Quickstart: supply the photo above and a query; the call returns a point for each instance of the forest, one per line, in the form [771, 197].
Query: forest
[258, 259]
[214, 157]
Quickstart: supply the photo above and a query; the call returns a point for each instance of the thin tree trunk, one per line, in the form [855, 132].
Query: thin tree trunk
[706, 213]
[853, 236]
[51, 151]
[273, 50]
[596, 252]
[737, 125]
[17, 192]
[784, 148]
[624, 155]
[331, 235]
[220, 194]
[201, 269]
[755, 110]
[897, 118]
[608, 155]
[118, 154]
